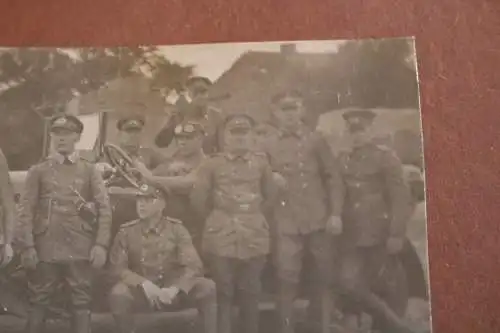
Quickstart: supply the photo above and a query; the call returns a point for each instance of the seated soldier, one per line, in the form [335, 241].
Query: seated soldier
[155, 265]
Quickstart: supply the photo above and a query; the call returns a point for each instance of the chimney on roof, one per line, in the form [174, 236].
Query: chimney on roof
[288, 48]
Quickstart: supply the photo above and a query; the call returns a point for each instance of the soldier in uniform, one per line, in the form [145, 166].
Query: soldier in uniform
[194, 107]
[235, 189]
[7, 213]
[67, 216]
[308, 218]
[377, 207]
[130, 129]
[155, 264]
[178, 174]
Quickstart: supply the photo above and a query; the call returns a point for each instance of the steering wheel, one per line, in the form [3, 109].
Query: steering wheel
[123, 164]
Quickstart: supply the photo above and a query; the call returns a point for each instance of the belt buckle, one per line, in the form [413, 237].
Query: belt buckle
[245, 206]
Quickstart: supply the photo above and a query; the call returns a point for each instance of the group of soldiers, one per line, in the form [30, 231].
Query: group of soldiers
[206, 220]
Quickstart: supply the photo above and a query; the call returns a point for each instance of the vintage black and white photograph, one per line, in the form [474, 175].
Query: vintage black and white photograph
[213, 188]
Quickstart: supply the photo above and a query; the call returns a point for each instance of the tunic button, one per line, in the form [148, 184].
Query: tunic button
[356, 205]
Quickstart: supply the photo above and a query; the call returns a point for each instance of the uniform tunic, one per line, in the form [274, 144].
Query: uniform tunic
[179, 205]
[314, 186]
[163, 254]
[234, 192]
[378, 202]
[49, 209]
[377, 207]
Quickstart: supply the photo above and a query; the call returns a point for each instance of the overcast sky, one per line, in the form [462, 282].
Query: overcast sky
[211, 60]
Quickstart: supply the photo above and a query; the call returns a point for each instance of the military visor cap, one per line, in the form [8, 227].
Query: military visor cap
[188, 129]
[359, 114]
[358, 119]
[147, 191]
[287, 96]
[239, 122]
[133, 123]
[67, 122]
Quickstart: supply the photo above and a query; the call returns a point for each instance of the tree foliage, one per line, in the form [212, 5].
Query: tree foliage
[36, 82]
[378, 73]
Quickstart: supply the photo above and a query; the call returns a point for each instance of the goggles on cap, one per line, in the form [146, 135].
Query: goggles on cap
[185, 129]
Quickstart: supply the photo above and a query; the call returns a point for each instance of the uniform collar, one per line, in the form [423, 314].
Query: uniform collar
[299, 132]
[59, 158]
[233, 157]
[198, 156]
[153, 227]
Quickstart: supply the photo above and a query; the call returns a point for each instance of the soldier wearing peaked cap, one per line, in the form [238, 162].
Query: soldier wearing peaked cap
[66, 122]
[66, 216]
[376, 210]
[233, 190]
[177, 175]
[130, 134]
[193, 107]
[155, 265]
[130, 129]
[308, 218]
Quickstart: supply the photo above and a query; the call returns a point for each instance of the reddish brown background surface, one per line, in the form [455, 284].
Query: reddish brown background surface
[458, 45]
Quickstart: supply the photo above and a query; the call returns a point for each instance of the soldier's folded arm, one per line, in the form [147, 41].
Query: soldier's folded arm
[330, 169]
[28, 206]
[188, 258]
[398, 193]
[200, 196]
[6, 200]
[102, 202]
[119, 259]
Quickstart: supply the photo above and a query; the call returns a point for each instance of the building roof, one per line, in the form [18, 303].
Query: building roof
[256, 76]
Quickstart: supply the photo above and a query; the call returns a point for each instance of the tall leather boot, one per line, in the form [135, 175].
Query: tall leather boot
[81, 321]
[36, 320]
[379, 308]
[286, 297]
[249, 313]
[224, 314]
[207, 310]
[320, 313]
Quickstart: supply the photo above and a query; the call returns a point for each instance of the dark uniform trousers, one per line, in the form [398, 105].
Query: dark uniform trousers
[47, 277]
[236, 238]
[124, 301]
[375, 282]
[314, 192]
[244, 275]
[291, 250]
[376, 208]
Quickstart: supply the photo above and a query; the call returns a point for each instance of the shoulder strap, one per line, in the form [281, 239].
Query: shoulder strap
[173, 220]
